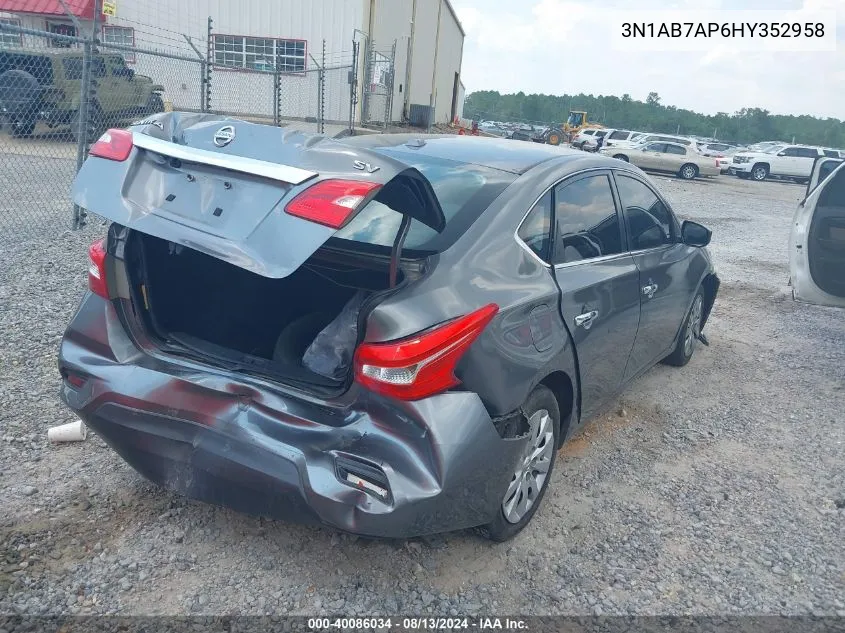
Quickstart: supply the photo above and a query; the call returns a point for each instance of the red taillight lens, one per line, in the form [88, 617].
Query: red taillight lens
[331, 202]
[421, 365]
[113, 145]
[97, 269]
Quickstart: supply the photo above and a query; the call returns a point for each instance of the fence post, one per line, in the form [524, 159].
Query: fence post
[209, 63]
[277, 96]
[322, 113]
[353, 87]
[79, 214]
[388, 106]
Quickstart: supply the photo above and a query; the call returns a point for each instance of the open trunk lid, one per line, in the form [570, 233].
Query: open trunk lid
[221, 186]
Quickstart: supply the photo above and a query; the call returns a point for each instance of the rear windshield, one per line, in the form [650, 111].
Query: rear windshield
[464, 191]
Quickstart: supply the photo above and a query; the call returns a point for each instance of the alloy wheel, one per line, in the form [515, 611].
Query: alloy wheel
[693, 326]
[689, 172]
[531, 473]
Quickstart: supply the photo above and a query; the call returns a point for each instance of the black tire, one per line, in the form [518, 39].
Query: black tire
[688, 172]
[621, 157]
[155, 104]
[23, 126]
[20, 95]
[540, 400]
[554, 138]
[759, 173]
[688, 337]
[743, 175]
[95, 125]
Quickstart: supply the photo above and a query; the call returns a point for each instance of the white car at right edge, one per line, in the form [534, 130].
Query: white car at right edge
[817, 241]
[784, 161]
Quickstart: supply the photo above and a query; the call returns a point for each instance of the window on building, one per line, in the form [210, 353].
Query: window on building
[10, 40]
[61, 28]
[259, 53]
[122, 36]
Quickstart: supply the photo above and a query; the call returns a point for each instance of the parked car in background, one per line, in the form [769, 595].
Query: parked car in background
[591, 142]
[817, 241]
[782, 161]
[714, 149]
[667, 157]
[45, 86]
[617, 136]
[583, 136]
[652, 138]
[371, 367]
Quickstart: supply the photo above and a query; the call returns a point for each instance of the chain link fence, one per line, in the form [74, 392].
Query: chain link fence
[59, 93]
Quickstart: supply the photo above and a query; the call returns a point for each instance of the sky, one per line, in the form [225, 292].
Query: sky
[565, 47]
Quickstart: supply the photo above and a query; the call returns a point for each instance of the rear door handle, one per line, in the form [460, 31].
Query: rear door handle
[586, 320]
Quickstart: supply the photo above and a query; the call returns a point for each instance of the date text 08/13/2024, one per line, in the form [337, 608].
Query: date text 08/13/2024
[418, 623]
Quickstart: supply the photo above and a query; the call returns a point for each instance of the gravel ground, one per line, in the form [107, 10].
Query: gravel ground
[718, 488]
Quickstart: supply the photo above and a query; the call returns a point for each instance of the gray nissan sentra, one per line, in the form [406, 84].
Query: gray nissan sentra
[388, 334]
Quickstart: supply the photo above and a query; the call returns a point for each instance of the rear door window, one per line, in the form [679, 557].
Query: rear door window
[675, 149]
[536, 228]
[586, 222]
[463, 190]
[619, 135]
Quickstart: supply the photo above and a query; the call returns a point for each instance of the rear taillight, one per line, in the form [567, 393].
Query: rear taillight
[113, 145]
[421, 365]
[97, 269]
[331, 202]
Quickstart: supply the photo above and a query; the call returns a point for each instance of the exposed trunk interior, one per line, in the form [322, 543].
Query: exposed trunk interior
[826, 243]
[245, 320]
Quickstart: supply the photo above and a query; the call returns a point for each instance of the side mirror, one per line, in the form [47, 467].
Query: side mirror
[695, 234]
[781, 153]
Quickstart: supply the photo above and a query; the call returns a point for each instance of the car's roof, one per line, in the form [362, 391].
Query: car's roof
[503, 154]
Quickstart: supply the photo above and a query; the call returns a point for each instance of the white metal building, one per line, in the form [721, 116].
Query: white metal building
[251, 37]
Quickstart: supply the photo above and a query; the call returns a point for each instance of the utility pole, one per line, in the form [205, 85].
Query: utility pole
[432, 100]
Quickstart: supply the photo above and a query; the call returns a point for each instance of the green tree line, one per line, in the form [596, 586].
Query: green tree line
[749, 125]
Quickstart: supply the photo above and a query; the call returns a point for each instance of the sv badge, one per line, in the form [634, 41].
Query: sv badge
[367, 167]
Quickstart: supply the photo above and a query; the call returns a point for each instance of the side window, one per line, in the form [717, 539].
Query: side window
[656, 147]
[675, 149]
[619, 134]
[807, 152]
[790, 151]
[650, 224]
[587, 224]
[536, 227]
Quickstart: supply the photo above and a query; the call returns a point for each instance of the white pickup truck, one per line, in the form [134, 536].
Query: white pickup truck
[784, 161]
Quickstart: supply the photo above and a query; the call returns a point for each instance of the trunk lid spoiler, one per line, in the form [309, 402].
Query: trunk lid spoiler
[220, 186]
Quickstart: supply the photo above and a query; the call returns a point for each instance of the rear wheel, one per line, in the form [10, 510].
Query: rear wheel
[530, 479]
[688, 172]
[23, 126]
[554, 138]
[690, 332]
[760, 172]
[155, 104]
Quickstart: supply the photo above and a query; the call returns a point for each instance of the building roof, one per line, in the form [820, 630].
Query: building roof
[455, 16]
[80, 8]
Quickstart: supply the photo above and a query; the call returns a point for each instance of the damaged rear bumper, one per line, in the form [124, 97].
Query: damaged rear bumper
[362, 463]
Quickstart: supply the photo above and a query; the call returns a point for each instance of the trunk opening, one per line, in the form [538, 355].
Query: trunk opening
[207, 308]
